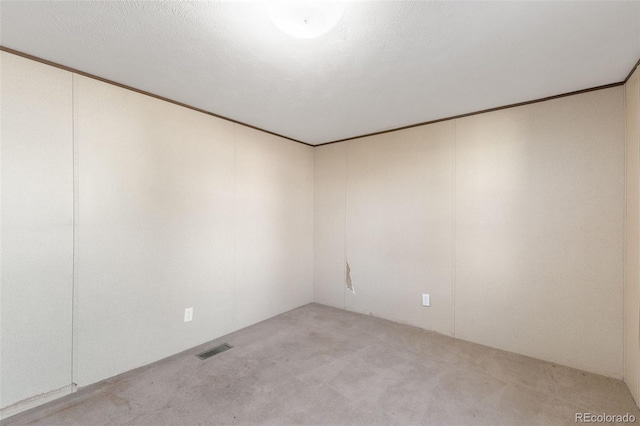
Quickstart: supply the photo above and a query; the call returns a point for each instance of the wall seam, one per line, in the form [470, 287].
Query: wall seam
[1, 56]
[453, 229]
[234, 320]
[75, 237]
[313, 226]
[637, 118]
[624, 239]
[346, 257]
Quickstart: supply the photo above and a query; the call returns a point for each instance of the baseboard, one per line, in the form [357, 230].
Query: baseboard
[35, 401]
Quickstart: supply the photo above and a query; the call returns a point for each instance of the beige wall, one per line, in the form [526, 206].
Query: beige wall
[329, 190]
[173, 209]
[399, 225]
[539, 230]
[36, 231]
[274, 226]
[529, 199]
[179, 209]
[154, 229]
[511, 220]
[632, 237]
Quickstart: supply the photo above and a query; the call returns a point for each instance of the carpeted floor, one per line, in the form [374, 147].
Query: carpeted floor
[320, 365]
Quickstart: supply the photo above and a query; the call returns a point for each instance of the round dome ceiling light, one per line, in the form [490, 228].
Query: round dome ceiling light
[305, 18]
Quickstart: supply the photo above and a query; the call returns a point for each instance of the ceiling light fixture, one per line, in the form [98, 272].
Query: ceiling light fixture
[305, 18]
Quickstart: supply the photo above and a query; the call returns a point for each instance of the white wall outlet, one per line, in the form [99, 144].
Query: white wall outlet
[426, 300]
[188, 314]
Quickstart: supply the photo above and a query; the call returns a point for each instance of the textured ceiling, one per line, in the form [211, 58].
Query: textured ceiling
[386, 64]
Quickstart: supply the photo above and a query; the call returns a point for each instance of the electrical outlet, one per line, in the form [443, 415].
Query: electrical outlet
[188, 314]
[426, 300]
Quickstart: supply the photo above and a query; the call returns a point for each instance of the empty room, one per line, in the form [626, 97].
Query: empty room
[319, 212]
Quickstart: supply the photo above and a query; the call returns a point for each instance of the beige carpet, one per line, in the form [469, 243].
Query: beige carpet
[320, 365]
